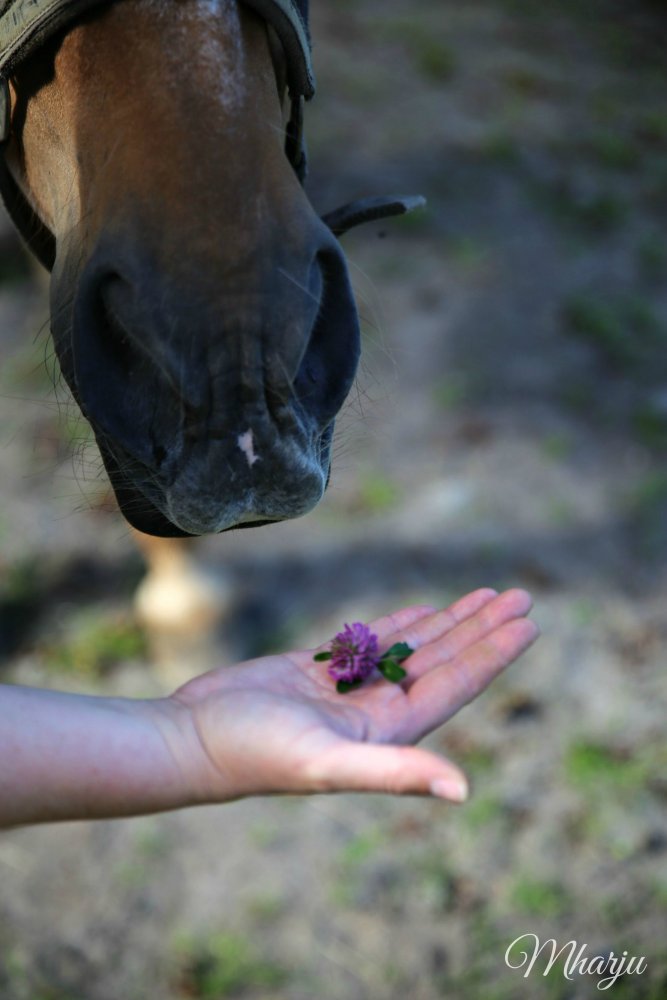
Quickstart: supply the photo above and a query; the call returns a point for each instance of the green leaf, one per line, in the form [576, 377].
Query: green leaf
[391, 671]
[321, 657]
[399, 652]
[344, 686]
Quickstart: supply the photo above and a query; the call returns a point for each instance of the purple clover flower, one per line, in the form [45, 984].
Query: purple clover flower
[354, 654]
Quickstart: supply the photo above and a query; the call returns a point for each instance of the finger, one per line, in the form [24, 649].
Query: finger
[440, 693]
[418, 630]
[395, 770]
[443, 647]
[387, 626]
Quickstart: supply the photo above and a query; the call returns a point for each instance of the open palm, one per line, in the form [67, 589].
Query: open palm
[277, 724]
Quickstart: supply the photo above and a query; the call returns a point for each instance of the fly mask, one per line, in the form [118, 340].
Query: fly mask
[26, 24]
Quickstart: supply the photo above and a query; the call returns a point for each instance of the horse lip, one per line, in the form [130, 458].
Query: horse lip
[200, 504]
[182, 506]
[139, 510]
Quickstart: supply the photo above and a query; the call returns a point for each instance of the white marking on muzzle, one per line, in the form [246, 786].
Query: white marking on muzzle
[245, 443]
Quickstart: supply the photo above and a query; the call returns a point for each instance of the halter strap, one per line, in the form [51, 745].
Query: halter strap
[26, 24]
[289, 20]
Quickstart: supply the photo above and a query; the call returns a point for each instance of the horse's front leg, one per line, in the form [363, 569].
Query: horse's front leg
[183, 607]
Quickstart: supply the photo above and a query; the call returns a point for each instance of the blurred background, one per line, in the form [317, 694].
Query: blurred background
[508, 427]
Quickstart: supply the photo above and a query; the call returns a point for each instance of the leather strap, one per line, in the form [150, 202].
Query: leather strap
[5, 110]
[357, 213]
[288, 22]
[25, 24]
[36, 235]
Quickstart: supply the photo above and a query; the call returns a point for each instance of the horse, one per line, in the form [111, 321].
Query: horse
[152, 156]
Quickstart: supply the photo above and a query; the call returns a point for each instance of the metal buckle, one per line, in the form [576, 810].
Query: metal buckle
[5, 109]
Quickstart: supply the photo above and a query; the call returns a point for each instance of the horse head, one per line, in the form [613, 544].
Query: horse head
[201, 310]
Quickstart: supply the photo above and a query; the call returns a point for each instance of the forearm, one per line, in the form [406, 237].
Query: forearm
[67, 756]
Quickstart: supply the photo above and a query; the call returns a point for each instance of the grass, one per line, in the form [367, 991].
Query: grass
[477, 760]
[377, 493]
[14, 268]
[347, 881]
[591, 766]
[559, 511]
[431, 56]
[620, 44]
[577, 396]
[522, 8]
[655, 192]
[22, 580]
[598, 323]
[269, 640]
[538, 898]
[138, 867]
[649, 494]
[263, 834]
[435, 882]
[615, 151]
[624, 330]
[483, 811]
[434, 60]
[594, 215]
[556, 446]
[266, 908]
[152, 842]
[652, 257]
[467, 252]
[585, 613]
[646, 507]
[31, 369]
[20, 599]
[650, 424]
[526, 82]
[500, 149]
[651, 127]
[26, 982]
[132, 874]
[450, 393]
[361, 847]
[224, 965]
[95, 645]
[628, 336]
[75, 431]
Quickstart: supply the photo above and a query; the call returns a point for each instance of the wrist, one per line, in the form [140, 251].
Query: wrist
[194, 776]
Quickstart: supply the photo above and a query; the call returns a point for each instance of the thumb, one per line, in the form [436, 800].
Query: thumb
[395, 770]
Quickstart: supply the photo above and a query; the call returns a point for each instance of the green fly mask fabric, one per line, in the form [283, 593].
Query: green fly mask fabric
[26, 24]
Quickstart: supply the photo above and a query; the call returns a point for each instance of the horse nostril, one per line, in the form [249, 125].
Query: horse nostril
[119, 349]
[122, 388]
[329, 363]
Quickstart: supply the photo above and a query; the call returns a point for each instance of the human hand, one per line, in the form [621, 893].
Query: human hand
[277, 724]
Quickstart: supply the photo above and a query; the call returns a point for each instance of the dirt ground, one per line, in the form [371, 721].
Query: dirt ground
[509, 427]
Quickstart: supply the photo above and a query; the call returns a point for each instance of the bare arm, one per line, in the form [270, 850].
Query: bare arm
[69, 756]
[267, 726]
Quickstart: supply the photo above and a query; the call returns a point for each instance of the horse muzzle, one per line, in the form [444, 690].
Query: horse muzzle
[212, 408]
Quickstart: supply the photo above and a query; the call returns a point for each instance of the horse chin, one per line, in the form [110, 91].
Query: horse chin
[179, 511]
[149, 518]
[142, 515]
